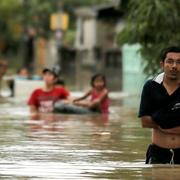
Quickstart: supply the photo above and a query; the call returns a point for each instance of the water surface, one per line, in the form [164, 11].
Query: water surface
[76, 146]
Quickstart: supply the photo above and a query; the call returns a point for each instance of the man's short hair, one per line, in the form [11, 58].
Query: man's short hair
[165, 51]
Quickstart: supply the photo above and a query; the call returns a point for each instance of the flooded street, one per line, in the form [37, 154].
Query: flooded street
[76, 146]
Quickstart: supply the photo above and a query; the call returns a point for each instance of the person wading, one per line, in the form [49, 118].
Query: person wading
[159, 96]
[42, 99]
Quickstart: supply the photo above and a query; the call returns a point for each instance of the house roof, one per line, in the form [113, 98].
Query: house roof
[100, 12]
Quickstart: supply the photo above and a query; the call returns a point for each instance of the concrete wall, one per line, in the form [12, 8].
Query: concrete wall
[133, 76]
[86, 33]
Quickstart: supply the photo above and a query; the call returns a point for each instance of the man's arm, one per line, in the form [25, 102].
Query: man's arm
[147, 122]
[167, 117]
[175, 130]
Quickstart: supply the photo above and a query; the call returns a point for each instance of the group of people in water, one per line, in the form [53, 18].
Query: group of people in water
[159, 106]
[54, 97]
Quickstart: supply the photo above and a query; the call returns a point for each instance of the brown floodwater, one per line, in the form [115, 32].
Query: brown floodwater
[76, 146]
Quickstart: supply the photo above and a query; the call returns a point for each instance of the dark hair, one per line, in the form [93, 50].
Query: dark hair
[165, 51]
[60, 82]
[96, 76]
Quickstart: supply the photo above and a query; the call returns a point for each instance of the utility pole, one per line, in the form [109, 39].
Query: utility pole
[59, 23]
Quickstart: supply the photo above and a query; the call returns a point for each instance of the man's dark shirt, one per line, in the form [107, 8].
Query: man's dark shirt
[157, 103]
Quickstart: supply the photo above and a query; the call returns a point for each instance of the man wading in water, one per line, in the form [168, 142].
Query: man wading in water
[160, 110]
[42, 99]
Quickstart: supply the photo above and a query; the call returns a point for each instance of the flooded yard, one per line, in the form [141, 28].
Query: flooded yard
[76, 146]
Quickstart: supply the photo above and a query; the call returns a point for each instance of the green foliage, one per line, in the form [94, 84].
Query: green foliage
[7, 24]
[69, 38]
[155, 25]
[17, 15]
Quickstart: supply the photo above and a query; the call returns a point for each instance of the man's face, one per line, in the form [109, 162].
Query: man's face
[171, 65]
[49, 78]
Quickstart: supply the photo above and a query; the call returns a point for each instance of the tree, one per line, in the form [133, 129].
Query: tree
[155, 25]
[16, 16]
[7, 25]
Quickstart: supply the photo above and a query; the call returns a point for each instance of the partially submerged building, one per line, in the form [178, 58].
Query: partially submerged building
[96, 48]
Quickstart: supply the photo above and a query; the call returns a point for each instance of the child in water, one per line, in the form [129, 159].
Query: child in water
[98, 95]
[98, 102]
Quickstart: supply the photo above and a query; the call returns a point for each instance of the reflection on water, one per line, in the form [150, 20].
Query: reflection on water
[76, 146]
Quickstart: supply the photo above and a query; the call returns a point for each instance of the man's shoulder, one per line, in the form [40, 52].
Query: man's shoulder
[61, 90]
[38, 90]
[155, 81]
[149, 83]
[159, 78]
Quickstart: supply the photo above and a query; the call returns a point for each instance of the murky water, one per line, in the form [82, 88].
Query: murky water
[76, 146]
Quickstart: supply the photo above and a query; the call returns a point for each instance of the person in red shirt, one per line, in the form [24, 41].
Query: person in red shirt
[96, 100]
[99, 100]
[42, 99]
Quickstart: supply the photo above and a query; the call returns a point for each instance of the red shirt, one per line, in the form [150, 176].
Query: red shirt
[104, 106]
[44, 100]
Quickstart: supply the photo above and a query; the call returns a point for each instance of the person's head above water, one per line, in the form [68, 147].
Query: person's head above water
[98, 81]
[170, 62]
[50, 75]
[165, 51]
